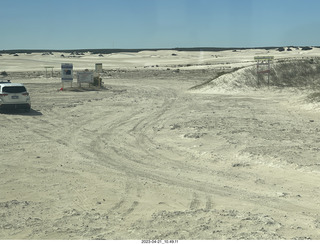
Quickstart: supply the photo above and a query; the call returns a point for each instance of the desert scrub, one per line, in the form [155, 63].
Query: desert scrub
[289, 73]
[296, 73]
[314, 97]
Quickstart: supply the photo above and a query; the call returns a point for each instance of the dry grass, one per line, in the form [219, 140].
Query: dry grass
[314, 97]
[292, 73]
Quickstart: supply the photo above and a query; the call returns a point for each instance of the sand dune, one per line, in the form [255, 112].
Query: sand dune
[162, 58]
[148, 158]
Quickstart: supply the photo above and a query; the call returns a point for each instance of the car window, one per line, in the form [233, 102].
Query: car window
[14, 89]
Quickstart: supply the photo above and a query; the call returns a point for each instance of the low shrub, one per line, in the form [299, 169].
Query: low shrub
[314, 97]
[306, 48]
[292, 73]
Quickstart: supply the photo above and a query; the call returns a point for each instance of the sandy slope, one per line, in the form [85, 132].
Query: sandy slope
[148, 159]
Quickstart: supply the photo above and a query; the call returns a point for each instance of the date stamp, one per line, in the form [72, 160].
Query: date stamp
[159, 241]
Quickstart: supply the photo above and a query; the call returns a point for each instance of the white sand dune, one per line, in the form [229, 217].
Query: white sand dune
[162, 58]
[146, 158]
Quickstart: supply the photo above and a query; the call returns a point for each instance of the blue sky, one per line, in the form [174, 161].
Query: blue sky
[81, 24]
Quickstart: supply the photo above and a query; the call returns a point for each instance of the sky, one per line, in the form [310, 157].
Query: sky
[130, 24]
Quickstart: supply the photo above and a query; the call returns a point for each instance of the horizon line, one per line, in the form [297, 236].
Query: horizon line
[149, 49]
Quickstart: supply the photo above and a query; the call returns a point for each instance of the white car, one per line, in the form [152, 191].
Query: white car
[14, 96]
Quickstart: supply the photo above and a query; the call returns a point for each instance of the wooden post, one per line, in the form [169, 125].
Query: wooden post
[263, 60]
[49, 67]
[268, 72]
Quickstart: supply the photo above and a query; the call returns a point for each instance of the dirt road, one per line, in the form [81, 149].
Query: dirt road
[147, 158]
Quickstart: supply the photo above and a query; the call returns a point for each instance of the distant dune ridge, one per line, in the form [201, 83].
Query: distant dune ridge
[117, 50]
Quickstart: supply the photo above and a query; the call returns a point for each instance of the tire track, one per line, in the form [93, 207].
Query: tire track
[127, 151]
[123, 138]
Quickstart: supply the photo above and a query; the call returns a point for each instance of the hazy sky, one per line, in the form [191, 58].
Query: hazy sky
[80, 24]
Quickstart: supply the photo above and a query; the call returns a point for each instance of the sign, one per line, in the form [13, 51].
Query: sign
[263, 58]
[85, 77]
[67, 72]
[99, 68]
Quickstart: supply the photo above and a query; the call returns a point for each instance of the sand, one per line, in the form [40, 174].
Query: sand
[148, 158]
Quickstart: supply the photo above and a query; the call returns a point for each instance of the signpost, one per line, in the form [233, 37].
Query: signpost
[49, 67]
[84, 77]
[98, 68]
[98, 72]
[262, 62]
[66, 73]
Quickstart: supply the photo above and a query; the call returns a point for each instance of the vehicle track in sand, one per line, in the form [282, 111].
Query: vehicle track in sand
[130, 145]
[154, 155]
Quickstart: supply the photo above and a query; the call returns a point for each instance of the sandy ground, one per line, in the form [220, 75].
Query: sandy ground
[147, 158]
